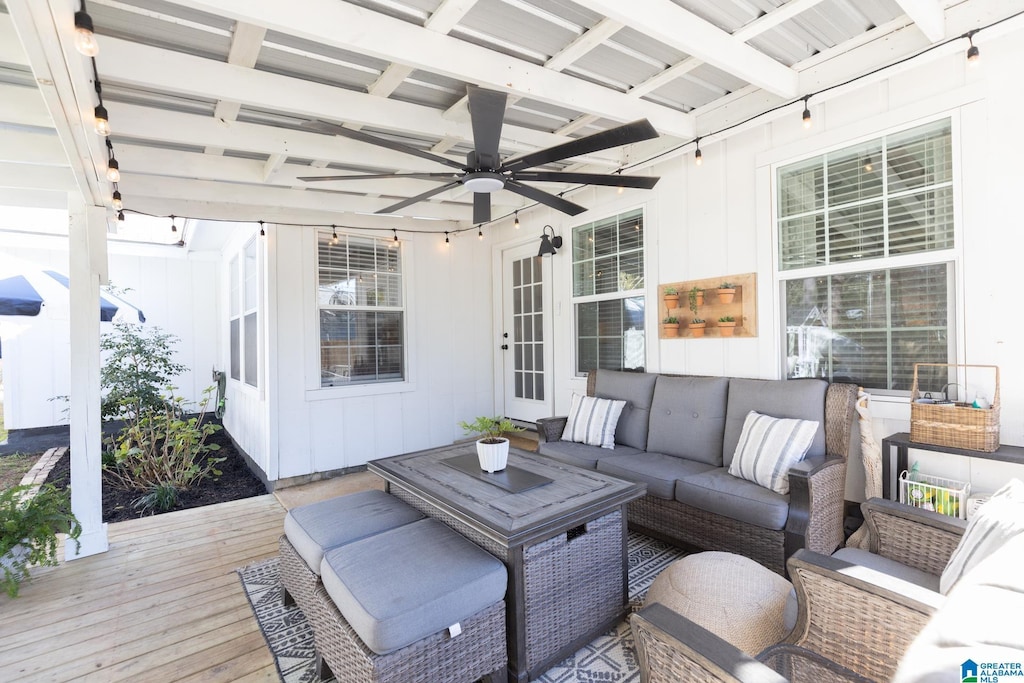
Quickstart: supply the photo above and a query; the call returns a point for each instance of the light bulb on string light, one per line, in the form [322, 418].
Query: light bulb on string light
[120, 216]
[85, 38]
[334, 235]
[807, 113]
[263, 231]
[480, 232]
[113, 171]
[102, 123]
[394, 242]
[973, 53]
[447, 242]
[174, 228]
[515, 223]
[698, 158]
[116, 202]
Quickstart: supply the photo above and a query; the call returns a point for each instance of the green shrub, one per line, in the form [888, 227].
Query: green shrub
[162, 498]
[33, 523]
[138, 365]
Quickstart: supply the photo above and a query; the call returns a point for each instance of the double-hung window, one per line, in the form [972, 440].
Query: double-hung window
[362, 310]
[866, 259]
[608, 293]
[244, 314]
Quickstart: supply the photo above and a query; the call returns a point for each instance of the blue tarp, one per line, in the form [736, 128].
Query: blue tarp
[18, 297]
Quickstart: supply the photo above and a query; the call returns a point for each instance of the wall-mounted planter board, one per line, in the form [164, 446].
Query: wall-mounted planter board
[743, 306]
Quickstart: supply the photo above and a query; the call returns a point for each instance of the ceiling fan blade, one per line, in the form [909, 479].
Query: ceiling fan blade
[613, 137]
[554, 201]
[377, 176]
[481, 207]
[487, 113]
[418, 198]
[612, 179]
[334, 129]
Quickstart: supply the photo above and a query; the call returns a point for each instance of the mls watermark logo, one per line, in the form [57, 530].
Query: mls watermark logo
[990, 672]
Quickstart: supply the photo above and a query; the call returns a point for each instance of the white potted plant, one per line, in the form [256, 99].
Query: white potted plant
[492, 446]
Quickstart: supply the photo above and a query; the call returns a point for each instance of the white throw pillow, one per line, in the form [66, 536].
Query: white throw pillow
[592, 421]
[998, 520]
[769, 447]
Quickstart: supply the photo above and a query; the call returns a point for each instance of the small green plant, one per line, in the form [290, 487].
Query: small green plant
[159, 447]
[727, 285]
[727, 319]
[139, 364]
[693, 299]
[491, 429]
[671, 291]
[697, 321]
[671, 320]
[162, 498]
[29, 525]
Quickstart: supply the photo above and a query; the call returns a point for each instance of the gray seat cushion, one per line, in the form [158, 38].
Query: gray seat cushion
[657, 470]
[688, 418]
[803, 399]
[405, 584]
[582, 455]
[870, 560]
[719, 492]
[315, 528]
[637, 390]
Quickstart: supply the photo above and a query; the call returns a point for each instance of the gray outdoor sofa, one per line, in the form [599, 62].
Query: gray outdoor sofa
[677, 434]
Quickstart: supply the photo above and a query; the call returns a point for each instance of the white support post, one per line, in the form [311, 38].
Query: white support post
[87, 270]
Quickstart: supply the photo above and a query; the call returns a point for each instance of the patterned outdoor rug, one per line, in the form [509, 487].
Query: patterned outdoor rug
[609, 658]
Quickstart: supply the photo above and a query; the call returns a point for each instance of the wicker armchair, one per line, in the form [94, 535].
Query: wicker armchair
[856, 620]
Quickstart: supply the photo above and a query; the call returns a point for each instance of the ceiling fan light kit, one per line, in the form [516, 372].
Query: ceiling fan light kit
[484, 172]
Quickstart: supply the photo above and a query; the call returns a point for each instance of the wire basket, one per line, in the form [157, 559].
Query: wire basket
[957, 425]
[945, 496]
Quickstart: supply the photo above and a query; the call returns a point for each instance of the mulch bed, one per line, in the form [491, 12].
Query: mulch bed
[235, 482]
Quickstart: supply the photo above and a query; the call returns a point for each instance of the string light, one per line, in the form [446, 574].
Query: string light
[116, 202]
[515, 223]
[698, 158]
[263, 232]
[334, 235]
[394, 242]
[85, 38]
[973, 53]
[446, 240]
[120, 216]
[174, 228]
[113, 170]
[480, 232]
[102, 124]
[807, 113]
[621, 189]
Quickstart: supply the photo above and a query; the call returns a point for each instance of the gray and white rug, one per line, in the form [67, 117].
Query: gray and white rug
[610, 658]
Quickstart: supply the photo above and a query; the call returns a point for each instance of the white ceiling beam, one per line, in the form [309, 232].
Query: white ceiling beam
[928, 15]
[32, 176]
[24, 107]
[41, 147]
[11, 51]
[583, 44]
[149, 67]
[272, 165]
[354, 28]
[448, 14]
[389, 80]
[669, 23]
[246, 43]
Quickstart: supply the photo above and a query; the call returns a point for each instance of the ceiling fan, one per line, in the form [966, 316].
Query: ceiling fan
[485, 172]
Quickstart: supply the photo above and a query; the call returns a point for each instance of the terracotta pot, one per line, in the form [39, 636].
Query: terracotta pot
[493, 456]
[697, 329]
[726, 329]
[670, 329]
[671, 301]
[726, 296]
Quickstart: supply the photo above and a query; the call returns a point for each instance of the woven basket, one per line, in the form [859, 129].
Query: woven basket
[959, 425]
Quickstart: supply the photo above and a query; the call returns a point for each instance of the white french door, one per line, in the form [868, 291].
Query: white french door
[526, 333]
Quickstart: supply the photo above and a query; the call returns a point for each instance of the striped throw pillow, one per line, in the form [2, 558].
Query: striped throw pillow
[996, 522]
[592, 421]
[769, 447]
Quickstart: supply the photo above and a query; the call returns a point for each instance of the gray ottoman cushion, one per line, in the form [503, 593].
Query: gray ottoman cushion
[404, 584]
[313, 529]
[688, 418]
[657, 470]
[863, 558]
[580, 454]
[637, 390]
[803, 399]
[719, 492]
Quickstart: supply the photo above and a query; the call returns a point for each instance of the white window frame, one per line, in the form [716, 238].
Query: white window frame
[237, 310]
[611, 296]
[315, 391]
[952, 257]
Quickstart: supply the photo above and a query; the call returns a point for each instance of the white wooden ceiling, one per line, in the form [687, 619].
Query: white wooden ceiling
[207, 97]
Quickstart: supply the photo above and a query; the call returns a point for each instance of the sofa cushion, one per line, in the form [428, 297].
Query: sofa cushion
[719, 492]
[688, 417]
[317, 527]
[592, 421]
[978, 623]
[582, 455]
[405, 584]
[637, 390]
[863, 558]
[999, 519]
[768, 449]
[658, 470]
[803, 399]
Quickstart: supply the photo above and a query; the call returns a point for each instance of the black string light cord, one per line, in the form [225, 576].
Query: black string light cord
[972, 55]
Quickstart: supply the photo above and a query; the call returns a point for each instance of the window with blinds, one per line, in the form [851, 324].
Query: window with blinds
[608, 293]
[362, 313]
[888, 203]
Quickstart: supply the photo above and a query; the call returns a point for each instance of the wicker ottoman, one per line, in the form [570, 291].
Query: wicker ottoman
[416, 604]
[730, 595]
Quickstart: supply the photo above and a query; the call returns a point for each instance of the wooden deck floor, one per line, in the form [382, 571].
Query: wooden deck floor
[164, 604]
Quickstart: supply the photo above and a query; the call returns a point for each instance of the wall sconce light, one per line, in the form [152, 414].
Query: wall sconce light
[549, 244]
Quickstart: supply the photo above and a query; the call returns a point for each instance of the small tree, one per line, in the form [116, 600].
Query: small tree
[139, 365]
